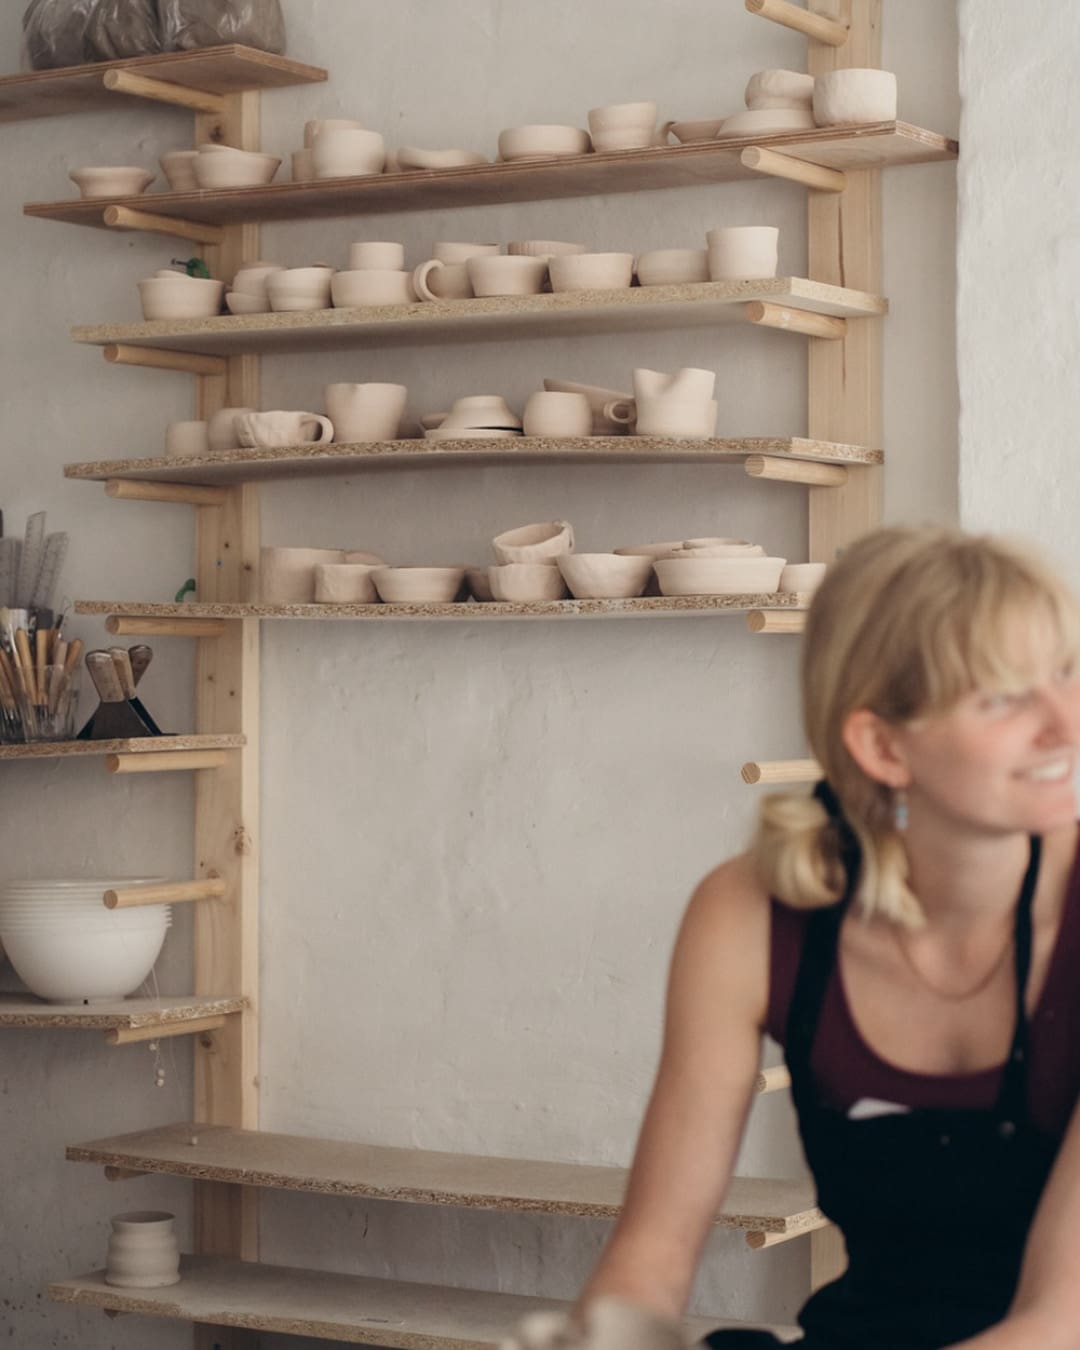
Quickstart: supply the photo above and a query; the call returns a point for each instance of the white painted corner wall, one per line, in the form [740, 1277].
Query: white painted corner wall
[476, 842]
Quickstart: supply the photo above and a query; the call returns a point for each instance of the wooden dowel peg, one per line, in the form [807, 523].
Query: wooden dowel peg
[796, 320]
[163, 91]
[121, 625]
[775, 165]
[780, 470]
[781, 771]
[122, 1173]
[130, 1035]
[775, 1079]
[128, 897]
[131, 490]
[815, 26]
[776, 620]
[158, 358]
[165, 761]
[756, 1241]
[125, 218]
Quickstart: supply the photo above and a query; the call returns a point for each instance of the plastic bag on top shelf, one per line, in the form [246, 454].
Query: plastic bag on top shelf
[120, 28]
[55, 32]
[209, 23]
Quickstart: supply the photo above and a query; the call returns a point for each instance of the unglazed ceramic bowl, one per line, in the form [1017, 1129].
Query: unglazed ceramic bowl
[178, 166]
[703, 130]
[787, 90]
[605, 576]
[348, 152]
[592, 272]
[180, 297]
[526, 582]
[852, 96]
[743, 252]
[236, 302]
[542, 542]
[504, 275]
[226, 167]
[767, 122]
[287, 575]
[345, 583]
[123, 181]
[252, 278]
[412, 157]
[418, 585]
[805, 577]
[599, 398]
[719, 576]
[713, 548]
[300, 288]
[542, 142]
[673, 266]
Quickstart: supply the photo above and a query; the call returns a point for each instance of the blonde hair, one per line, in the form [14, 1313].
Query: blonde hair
[907, 622]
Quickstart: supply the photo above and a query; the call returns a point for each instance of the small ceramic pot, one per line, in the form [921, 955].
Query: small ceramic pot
[592, 272]
[237, 302]
[378, 254]
[287, 575]
[743, 253]
[414, 157]
[225, 167]
[534, 543]
[345, 584]
[297, 289]
[786, 89]
[848, 97]
[371, 286]
[605, 576]
[180, 297]
[124, 181]
[221, 429]
[178, 166]
[365, 412]
[673, 266]
[418, 585]
[187, 438]
[805, 577]
[548, 414]
[318, 124]
[542, 142]
[252, 279]
[143, 1253]
[524, 582]
[348, 152]
[503, 275]
[281, 427]
[623, 126]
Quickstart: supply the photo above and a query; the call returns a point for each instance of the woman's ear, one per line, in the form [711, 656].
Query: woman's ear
[875, 746]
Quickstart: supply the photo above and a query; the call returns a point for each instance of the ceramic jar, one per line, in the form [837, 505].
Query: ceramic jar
[143, 1253]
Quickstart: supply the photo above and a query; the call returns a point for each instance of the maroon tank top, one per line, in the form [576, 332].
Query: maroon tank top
[847, 1070]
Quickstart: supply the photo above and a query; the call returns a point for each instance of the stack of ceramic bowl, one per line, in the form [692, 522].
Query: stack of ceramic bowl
[67, 947]
[718, 567]
[776, 100]
[528, 562]
[484, 417]
[249, 294]
[175, 295]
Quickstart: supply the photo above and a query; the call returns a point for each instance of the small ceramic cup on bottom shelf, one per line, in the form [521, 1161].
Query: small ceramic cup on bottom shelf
[143, 1253]
[743, 252]
[557, 415]
[186, 438]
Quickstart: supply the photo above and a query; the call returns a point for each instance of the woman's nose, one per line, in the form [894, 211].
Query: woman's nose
[1061, 712]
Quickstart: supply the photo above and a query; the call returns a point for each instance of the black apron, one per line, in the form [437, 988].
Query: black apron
[934, 1205]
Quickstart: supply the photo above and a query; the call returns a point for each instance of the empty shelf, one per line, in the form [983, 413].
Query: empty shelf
[142, 745]
[130, 1014]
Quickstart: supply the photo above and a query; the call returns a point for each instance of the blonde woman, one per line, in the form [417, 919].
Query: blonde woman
[911, 935]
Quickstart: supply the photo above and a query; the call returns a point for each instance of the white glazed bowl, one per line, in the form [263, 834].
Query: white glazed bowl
[521, 583]
[224, 167]
[418, 585]
[542, 142]
[719, 576]
[542, 542]
[178, 166]
[673, 266]
[179, 297]
[806, 577]
[65, 965]
[592, 272]
[849, 97]
[605, 576]
[124, 181]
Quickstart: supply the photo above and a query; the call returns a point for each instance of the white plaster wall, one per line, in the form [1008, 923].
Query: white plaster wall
[476, 840]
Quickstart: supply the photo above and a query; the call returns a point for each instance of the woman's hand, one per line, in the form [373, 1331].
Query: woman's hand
[609, 1324]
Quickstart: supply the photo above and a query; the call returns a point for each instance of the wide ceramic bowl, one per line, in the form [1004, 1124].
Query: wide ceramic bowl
[592, 272]
[704, 130]
[224, 167]
[180, 297]
[413, 157]
[766, 121]
[543, 542]
[524, 583]
[714, 548]
[605, 576]
[719, 576]
[124, 181]
[237, 302]
[72, 966]
[542, 142]
[673, 266]
[418, 585]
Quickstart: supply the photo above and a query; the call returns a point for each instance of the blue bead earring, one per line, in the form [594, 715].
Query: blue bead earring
[900, 810]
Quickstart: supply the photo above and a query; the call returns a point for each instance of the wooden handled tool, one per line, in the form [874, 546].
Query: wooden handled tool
[122, 663]
[140, 657]
[24, 665]
[103, 672]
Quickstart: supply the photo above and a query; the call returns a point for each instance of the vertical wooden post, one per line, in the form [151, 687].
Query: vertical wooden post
[844, 231]
[227, 801]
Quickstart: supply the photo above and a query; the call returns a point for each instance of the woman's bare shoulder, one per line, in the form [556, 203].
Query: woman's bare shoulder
[732, 889]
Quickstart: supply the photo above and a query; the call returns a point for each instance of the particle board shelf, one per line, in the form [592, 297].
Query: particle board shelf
[304, 461]
[464, 611]
[420, 1176]
[355, 1309]
[122, 1014]
[141, 745]
[699, 304]
[229, 69]
[878, 145]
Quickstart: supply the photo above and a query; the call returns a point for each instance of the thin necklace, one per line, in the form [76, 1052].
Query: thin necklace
[950, 996]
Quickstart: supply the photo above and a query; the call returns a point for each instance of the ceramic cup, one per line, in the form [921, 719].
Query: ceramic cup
[548, 414]
[281, 427]
[451, 251]
[623, 126]
[143, 1253]
[376, 254]
[348, 152]
[435, 280]
[287, 575]
[186, 438]
[317, 124]
[743, 252]
[592, 272]
[303, 165]
[371, 286]
[365, 412]
[504, 275]
[666, 415]
[847, 97]
[672, 266]
[221, 429]
[345, 584]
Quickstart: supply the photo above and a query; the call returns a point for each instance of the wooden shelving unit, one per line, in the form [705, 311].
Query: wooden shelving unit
[349, 1308]
[170, 1012]
[143, 745]
[879, 145]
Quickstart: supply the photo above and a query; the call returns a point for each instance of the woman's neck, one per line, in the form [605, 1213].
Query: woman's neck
[962, 875]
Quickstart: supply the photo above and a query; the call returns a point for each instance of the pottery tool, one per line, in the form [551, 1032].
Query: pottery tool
[120, 715]
[30, 560]
[125, 669]
[9, 568]
[53, 556]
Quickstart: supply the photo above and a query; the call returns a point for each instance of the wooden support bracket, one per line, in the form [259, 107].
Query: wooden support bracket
[773, 164]
[158, 358]
[781, 771]
[780, 470]
[131, 490]
[123, 626]
[815, 26]
[163, 91]
[122, 1173]
[131, 1035]
[776, 621]
[775, 1079]
[166, 761]
[803, 321]
[125, 218]
[173, 893]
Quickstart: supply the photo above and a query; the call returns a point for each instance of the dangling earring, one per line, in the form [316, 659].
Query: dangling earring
[900, 810]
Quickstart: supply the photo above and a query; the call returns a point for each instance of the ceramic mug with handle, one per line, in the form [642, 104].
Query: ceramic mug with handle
[281, 427]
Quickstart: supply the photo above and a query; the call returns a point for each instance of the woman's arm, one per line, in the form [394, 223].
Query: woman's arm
[1046, 1310]
[716, 1006]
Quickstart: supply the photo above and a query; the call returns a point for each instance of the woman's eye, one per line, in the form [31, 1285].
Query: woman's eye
[1000, 702]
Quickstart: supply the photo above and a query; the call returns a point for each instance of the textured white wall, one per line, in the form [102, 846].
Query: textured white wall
[476, 841]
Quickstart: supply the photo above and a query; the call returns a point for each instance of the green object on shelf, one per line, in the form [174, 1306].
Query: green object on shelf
[187, 588]
[195, 267]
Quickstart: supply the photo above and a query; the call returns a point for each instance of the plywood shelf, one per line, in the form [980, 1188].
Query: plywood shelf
[701, 304]
[124, 1014]
[143, 745]
[420, 1176]
[228, 69]
[875, 146]
[467, 611]
[355, 1309]
[303, 461]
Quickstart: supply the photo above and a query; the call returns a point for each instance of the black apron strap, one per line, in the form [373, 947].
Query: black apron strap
[1012, 1103]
